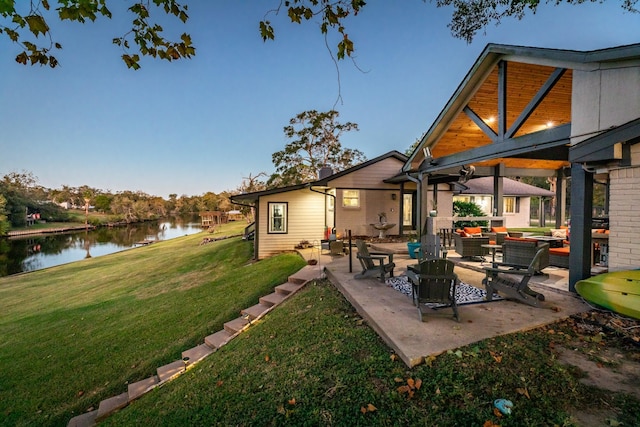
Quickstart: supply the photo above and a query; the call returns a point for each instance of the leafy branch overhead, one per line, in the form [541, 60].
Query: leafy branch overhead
[146, 36]
[330, 13]
[25, 22]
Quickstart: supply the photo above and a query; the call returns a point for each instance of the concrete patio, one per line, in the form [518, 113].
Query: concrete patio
[394, 317]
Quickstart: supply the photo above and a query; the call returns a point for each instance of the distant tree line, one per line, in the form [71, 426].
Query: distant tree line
[20, 195]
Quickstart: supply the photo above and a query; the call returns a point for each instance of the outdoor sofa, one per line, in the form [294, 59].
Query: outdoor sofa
[520, 251]
[468, 242]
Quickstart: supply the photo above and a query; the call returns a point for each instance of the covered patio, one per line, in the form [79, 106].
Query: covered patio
[523, 111]
[394, 317]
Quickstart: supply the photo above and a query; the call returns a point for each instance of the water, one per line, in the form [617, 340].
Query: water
[31, 253]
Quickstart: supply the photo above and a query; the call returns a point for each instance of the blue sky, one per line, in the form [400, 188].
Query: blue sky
[203, 124]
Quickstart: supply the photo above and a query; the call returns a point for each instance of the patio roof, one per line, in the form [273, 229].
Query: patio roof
[511, 187]
[512, 109]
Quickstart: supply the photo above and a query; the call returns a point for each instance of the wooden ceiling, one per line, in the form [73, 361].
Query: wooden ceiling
[523, 83]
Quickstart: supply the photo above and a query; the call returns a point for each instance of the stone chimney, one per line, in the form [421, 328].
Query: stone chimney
[324, 172]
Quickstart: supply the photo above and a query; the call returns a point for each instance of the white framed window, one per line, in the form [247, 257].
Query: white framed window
[278, 217]
[351, 198]
[510, 205]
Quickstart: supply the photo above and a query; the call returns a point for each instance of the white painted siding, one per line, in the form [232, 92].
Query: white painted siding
[305, 221]
[372, 202]
[603, 98]
[371, 176]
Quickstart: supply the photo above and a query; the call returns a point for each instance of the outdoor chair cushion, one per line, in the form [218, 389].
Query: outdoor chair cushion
[473, 231]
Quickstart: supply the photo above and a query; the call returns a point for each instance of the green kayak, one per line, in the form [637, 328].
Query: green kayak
[618, 291]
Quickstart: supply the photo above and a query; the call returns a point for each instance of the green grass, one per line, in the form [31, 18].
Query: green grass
[535, 230]
[313, 361]
[76, 334]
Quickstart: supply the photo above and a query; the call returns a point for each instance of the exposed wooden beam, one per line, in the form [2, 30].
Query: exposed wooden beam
[480, 123]
[535, 101]
[529, 143]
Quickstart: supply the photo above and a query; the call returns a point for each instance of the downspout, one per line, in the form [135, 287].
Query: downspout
[325, 211]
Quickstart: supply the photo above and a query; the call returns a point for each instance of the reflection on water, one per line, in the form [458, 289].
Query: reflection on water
[36, 252]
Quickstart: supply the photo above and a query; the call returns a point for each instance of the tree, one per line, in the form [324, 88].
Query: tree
[316, 144]
[471, 16]
[4, 224]
[146, 37]
[251, 184]
[463, 209]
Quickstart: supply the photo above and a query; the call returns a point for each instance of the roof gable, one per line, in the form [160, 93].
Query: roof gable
[536, 95]
[325, 182]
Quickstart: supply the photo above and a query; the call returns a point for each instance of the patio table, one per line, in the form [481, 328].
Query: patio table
[554, 242]
[493, 248]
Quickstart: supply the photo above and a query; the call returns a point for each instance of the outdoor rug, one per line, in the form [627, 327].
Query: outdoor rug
[465, 294]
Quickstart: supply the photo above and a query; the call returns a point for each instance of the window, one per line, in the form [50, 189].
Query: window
[351, 198]
[277, 217]
[509, 205]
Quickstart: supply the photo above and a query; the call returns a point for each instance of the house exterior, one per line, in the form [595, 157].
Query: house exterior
[561, 114]
[516, 199]
[350, 200]
[519, 111]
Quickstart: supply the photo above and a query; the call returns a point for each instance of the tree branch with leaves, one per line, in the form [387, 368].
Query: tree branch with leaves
[24, 25]
[316, 144]
[147, 36]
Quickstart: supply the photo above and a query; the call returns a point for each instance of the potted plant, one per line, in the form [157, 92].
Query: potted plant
[413, 244]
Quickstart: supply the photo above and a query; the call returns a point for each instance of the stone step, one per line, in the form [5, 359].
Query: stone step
[111, 405]
[255, 311]
[218, 339]
[87, 419]
[236, 325]
[196, 354]
[288, 288]
[272, 299]
[136, 390]
[171, 370]
[305, 274]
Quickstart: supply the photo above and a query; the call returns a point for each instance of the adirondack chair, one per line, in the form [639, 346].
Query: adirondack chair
[434, 281]
[498, 280]
[374, 264]
[430, 248]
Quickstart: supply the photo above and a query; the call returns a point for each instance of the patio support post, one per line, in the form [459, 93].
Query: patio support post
[581, 205]
[401, 208]
[561, 195]
[498, 193]
[421, 202]
[418, 182]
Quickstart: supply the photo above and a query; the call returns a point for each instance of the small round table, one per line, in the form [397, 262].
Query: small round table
[493, 249]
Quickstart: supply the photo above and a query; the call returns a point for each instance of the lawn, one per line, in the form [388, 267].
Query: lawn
[314, 361]
[76, 334]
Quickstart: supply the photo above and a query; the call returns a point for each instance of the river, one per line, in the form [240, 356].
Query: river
[35, 252]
